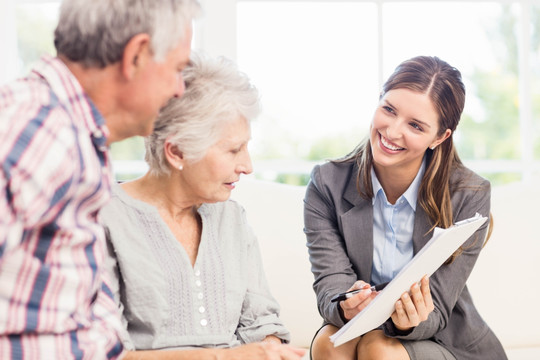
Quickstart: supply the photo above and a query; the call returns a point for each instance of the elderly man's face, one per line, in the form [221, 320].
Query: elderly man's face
[156, 84]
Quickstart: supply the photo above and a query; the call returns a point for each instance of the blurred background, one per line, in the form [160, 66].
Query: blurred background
[319, 66]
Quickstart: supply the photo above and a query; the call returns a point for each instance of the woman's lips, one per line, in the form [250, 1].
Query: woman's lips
[389, 145]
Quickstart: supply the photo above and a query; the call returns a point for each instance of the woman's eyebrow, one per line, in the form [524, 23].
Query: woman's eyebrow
[423, 123]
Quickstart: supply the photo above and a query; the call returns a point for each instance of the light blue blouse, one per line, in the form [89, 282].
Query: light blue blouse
[393, 226]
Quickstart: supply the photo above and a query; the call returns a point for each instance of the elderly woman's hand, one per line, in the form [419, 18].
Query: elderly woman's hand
[266, 350]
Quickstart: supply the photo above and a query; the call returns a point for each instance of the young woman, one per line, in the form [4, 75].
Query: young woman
[368, 214]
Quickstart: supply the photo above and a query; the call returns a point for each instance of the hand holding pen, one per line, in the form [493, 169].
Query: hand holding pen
[348, 294]
[357, 298]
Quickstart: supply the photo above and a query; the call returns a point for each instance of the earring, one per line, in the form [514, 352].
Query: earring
[432, 147]
[180, 167]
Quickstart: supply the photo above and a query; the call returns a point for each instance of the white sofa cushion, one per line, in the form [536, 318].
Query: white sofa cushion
[275, 212]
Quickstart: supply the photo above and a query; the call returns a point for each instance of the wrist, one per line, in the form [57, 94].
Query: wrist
[273, 339]
[218, 354]
[341, 313]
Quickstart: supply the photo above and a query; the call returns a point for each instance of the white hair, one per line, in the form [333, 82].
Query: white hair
[216, 93]
[95, 32]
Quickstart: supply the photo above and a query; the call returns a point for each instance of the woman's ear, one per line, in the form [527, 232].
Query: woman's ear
[441, 139]
[174, 156]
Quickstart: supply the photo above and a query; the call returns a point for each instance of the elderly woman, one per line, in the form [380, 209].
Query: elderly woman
[187, 268]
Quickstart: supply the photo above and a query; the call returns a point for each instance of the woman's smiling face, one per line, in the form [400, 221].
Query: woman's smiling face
[404, 125]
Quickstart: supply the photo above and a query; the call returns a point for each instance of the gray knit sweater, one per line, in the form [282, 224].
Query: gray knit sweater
[221, 301]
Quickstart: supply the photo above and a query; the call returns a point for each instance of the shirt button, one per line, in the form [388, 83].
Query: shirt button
[200, 296]
[202, 309]
[197, 272]
[198, 283]
[204, 322]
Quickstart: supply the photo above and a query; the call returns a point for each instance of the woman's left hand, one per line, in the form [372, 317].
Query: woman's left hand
[411, 310]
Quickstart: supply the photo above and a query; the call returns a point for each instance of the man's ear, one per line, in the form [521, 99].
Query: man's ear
[136, 55]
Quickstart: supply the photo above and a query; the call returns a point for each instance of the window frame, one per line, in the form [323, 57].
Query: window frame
[216, 34]
[527, 167]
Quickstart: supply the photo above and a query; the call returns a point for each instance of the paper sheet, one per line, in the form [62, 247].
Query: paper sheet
[436, 251]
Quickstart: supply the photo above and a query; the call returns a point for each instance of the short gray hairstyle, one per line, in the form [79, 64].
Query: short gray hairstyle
[216, 93]
[95, 32]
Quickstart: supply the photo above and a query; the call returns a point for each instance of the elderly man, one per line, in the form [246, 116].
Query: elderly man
[118, 63]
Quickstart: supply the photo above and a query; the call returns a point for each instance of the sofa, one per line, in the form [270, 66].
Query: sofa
[505, 283]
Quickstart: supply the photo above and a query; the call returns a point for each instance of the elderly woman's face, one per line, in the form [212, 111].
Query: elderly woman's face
[213, 177]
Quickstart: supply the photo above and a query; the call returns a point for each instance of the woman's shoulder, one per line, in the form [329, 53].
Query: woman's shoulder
[121, 207]
[333, 172]
[228, 220]
[462, 178]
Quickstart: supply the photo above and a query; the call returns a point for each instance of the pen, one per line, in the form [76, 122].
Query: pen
[349, 294]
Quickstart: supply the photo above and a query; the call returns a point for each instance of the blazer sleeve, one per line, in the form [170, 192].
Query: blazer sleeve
[330, 264]
[448, 283]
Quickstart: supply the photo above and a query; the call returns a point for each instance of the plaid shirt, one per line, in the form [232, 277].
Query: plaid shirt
[55, 176]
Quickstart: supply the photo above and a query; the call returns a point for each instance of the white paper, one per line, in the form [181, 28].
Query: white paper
[436, 251]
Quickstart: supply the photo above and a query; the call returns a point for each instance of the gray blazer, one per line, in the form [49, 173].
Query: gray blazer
[339, 230]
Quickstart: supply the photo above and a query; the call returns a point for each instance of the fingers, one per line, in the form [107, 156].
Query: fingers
[357, 303]
[412, 309]
[422, 298]
[400, 317]
[426, 293]
[291, 353]
[410, 305]
[359, 285]
[283, 352]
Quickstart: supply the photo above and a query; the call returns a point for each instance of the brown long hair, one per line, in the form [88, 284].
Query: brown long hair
[443, 84]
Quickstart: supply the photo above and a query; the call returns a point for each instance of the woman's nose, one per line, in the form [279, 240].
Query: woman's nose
[245, 165]
[393, 130]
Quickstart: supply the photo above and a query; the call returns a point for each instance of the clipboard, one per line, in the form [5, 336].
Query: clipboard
[436, 251]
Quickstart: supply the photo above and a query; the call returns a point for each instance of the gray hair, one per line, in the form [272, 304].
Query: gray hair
[95, 32]
[216, 93]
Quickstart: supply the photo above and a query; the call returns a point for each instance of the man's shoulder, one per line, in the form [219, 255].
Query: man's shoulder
[29, 98]
[24, 88]
[29, 106]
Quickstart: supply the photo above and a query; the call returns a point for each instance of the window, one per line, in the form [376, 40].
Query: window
[26, 33]
[320, 71]
[319, 66]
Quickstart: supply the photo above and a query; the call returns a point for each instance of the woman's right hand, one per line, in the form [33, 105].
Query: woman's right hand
[264, 351]
[359, 301]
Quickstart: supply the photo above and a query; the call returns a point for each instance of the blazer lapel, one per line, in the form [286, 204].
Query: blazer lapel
[357, 227]
[421, 231]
